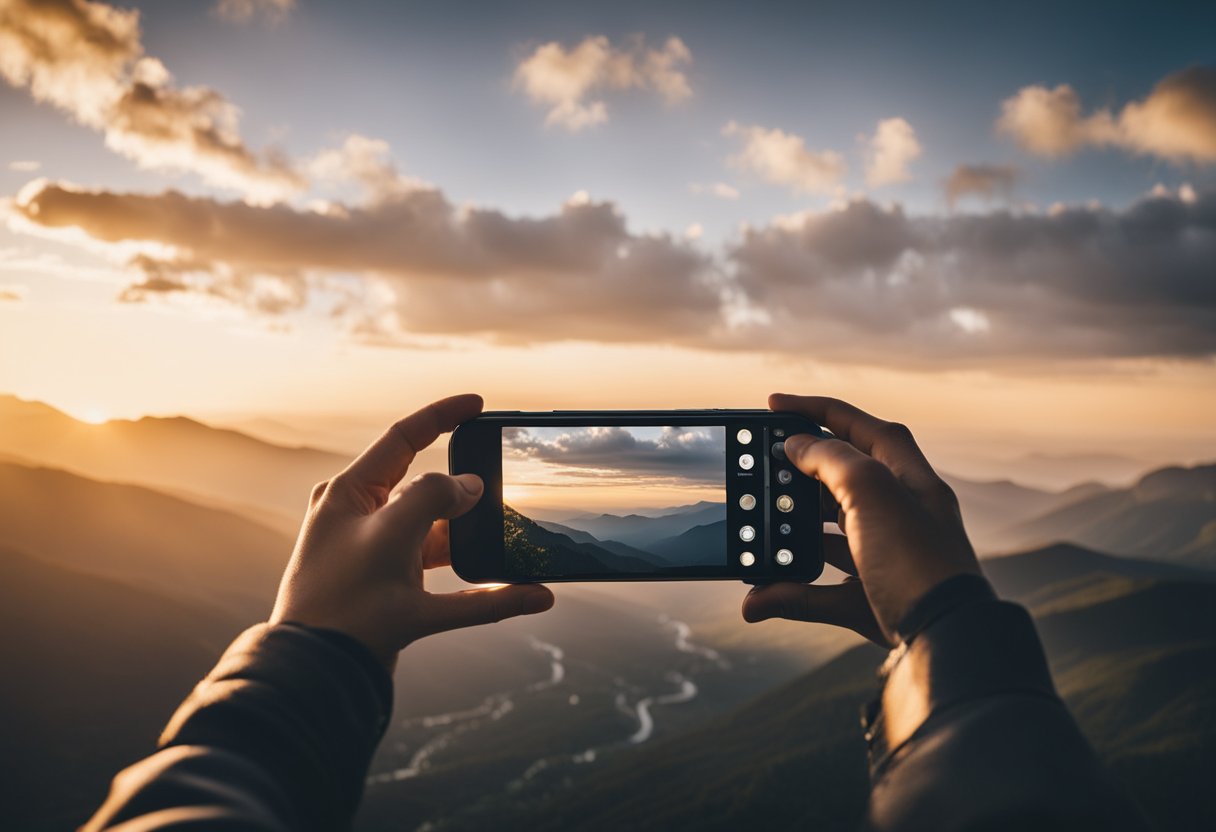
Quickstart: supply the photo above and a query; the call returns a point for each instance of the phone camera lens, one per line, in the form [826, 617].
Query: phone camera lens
[744, 436]
[747, 534]
[747, 559]
[785, 503]
[784, 557]
[747, 502]
[785, 528]
[746, 462]
[785, 477]
[779, 450]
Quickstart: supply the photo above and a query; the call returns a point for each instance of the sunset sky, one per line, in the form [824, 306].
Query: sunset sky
[997, 225]
[598, 468]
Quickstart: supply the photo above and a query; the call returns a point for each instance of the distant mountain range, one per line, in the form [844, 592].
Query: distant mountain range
[175, 454]
[643, 531]
[681, 536]
[1168, 515]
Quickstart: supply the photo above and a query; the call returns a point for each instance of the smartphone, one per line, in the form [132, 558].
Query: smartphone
[580, 495]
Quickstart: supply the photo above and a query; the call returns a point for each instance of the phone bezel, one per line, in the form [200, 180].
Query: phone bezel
[476, 538]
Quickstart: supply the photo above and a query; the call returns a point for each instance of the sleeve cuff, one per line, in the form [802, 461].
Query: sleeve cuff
[960, 644]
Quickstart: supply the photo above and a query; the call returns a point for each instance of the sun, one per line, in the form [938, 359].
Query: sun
[93, 416]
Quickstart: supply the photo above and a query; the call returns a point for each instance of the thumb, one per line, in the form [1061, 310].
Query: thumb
[454, 610]
[429, 497]
[843, 605]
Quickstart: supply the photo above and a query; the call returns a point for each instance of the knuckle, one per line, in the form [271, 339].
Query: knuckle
[433, 482]
[318, 492]
[897, 432]
[943, 495]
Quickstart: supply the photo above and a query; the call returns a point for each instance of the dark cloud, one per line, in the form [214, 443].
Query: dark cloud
[1078, 282]
[987, 182]
[692, 453]
[578, 273]
[864, 283]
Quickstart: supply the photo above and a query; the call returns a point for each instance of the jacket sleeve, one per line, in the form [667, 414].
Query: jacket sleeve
[279, 736]
[969, 733]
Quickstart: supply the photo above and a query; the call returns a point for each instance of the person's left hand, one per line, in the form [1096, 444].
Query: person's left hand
[358, 564]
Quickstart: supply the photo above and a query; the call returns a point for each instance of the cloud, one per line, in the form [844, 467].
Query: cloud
[889, 151]
[984, 181]
[1175, 122]
[864, 283]
[682, 453]
[87, 59]
[366, 162]
[783, 159]
[575, 274]
[570, 81]
[242, 11]
[719, 189]
[24, 166]
[872, 284]
[12, 293]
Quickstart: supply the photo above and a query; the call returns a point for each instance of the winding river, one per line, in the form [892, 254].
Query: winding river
[453, 724]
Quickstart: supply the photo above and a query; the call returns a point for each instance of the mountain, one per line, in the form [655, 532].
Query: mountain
[698, 545]
[93, 668]
[1135, 665]
[612, 546]
[641, 531]
[534, 550]
[177, 454]
[142, 537]
[1169, 515]
[990, 507]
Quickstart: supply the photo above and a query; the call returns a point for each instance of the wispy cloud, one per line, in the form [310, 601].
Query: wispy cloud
[984, 181]
[242, 11]
[719, 189]
[782, 158]
[87, 59]
[1176, 121]
[24, 166]
[571, 81]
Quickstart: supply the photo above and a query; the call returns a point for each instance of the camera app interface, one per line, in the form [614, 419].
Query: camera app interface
[603, 500]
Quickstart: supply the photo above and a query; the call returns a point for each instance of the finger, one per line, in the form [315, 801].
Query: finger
[843, 469]
[842, 605]
[386, 460]
[454, 610]
[829, 509]
[437, 547]
[411, 515]
[891, 443]
[836, 552]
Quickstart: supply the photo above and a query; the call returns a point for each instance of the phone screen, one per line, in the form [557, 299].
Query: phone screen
[634, 499]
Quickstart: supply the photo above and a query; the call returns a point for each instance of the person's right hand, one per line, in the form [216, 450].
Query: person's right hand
[903, 530]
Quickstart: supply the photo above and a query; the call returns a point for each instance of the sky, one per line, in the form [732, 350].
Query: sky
[597, 468]
[995, 224]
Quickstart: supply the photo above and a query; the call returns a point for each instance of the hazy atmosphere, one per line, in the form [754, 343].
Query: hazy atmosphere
[240, 237]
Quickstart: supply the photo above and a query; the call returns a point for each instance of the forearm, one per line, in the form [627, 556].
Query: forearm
[278, 736]
[969, 732]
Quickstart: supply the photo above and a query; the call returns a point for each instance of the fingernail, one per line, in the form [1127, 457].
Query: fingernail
[470, 483]
[537, 598]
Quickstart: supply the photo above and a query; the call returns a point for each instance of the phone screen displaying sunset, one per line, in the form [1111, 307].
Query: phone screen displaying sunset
[602, 500]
